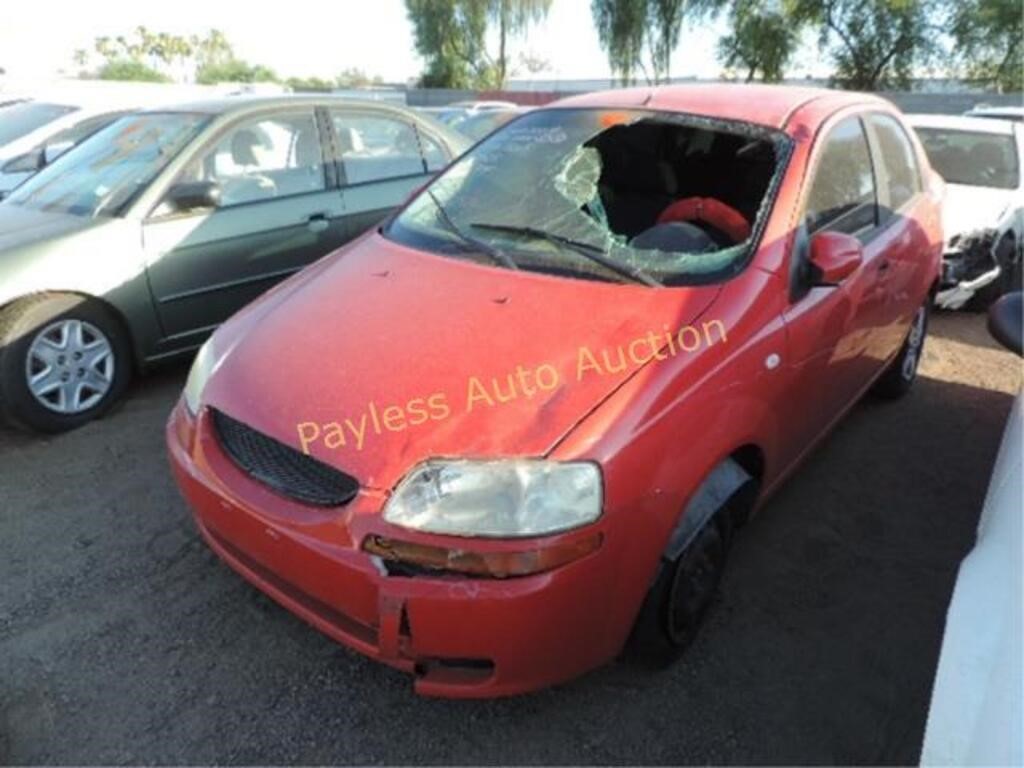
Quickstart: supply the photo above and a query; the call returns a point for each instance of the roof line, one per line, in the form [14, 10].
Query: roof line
[792, 110]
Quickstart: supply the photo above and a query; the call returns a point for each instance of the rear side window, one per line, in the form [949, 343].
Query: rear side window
[842, 196]
[901, 174]
[376, 148]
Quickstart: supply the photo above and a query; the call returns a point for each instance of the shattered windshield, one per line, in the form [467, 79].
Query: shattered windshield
[637, 196]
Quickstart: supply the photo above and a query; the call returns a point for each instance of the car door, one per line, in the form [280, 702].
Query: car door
[381, 158]
[830, 329]
[901, 239]
[277, 213]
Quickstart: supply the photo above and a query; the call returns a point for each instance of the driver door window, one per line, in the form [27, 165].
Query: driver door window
[843, 197]
[263, 159]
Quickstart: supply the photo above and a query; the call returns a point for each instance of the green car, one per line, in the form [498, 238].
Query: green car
[132, 247]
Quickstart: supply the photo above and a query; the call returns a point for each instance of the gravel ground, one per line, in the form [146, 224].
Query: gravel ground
[124, 640]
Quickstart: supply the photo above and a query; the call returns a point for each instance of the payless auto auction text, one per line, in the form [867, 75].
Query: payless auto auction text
[521, 382]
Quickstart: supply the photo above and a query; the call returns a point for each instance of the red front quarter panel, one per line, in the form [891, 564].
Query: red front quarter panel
[663, 432]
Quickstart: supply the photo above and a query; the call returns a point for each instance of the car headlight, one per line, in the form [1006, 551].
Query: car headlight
[202, 368]
[501, 498]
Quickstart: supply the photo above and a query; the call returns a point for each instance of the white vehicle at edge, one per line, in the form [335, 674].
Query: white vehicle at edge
[63, 126]
[976, 714]
[1002, 113]
[983, 214]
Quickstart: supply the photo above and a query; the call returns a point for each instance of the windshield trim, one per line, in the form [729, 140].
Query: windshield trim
[781, 141]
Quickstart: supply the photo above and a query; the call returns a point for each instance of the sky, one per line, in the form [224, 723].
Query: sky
[306, 37]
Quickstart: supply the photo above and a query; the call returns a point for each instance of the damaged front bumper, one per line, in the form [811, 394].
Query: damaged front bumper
[459, 637]
[969, 264]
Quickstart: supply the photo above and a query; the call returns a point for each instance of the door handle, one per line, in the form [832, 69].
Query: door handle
[883, 266]
[318, 222]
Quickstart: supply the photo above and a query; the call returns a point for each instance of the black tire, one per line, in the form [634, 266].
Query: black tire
[684, 589]
[21, 324]
[901, 374]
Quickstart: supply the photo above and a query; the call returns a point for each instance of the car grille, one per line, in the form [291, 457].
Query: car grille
[286, 470]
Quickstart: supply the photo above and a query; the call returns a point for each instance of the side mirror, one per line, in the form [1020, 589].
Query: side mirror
[834, 257]
[1006, 321]
[52, 151]
[29, 162]
[191, 195]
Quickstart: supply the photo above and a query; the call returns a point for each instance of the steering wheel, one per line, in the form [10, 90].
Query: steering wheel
[708, 210]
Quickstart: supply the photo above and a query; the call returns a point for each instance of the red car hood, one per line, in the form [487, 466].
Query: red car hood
[378, 329]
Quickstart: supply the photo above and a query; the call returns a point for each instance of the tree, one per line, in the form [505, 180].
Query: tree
[309, 84]
[234, 71]
[533, 64]
[451, 36]
[128, 69]
[642, 34]
[875, 44]
[353, 77]
[212, 50]
[621, 26]
[762, 39]
[513, 17]
[988, 37]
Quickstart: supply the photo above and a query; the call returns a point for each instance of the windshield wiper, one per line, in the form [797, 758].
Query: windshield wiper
[496, 254]
[588, 251]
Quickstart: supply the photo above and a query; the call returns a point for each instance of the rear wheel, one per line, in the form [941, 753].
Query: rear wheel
[899, 377]
[64, 360]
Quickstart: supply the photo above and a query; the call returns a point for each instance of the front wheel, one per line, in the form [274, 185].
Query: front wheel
[899, 377]
[683, 590]
[64, 360]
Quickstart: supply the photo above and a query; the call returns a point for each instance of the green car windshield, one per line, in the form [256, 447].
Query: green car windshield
[583, 193]
[107, 171]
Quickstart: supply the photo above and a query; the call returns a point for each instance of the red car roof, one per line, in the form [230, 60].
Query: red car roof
[769, 105]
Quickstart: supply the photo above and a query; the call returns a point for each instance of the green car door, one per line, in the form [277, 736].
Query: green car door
[272, 208]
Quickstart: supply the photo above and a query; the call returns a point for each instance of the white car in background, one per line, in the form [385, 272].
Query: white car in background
[976, 714]
[35, 133]
[983, 214]
[476, 107]
[1000, 113]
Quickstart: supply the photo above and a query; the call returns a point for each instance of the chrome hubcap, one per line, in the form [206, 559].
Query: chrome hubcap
[914, 342]
[70, 366]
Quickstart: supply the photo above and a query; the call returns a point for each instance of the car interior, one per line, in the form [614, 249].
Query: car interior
[268, 159]
[682, 188]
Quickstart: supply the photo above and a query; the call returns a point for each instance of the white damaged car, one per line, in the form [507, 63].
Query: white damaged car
[983, 215]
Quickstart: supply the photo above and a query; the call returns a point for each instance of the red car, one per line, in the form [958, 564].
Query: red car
[512, 431]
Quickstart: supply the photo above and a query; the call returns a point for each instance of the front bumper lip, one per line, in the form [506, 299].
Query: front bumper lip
[460, 637]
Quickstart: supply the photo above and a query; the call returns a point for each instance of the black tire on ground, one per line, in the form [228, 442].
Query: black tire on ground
[901, 374]
[684, 589]
[21, 324]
